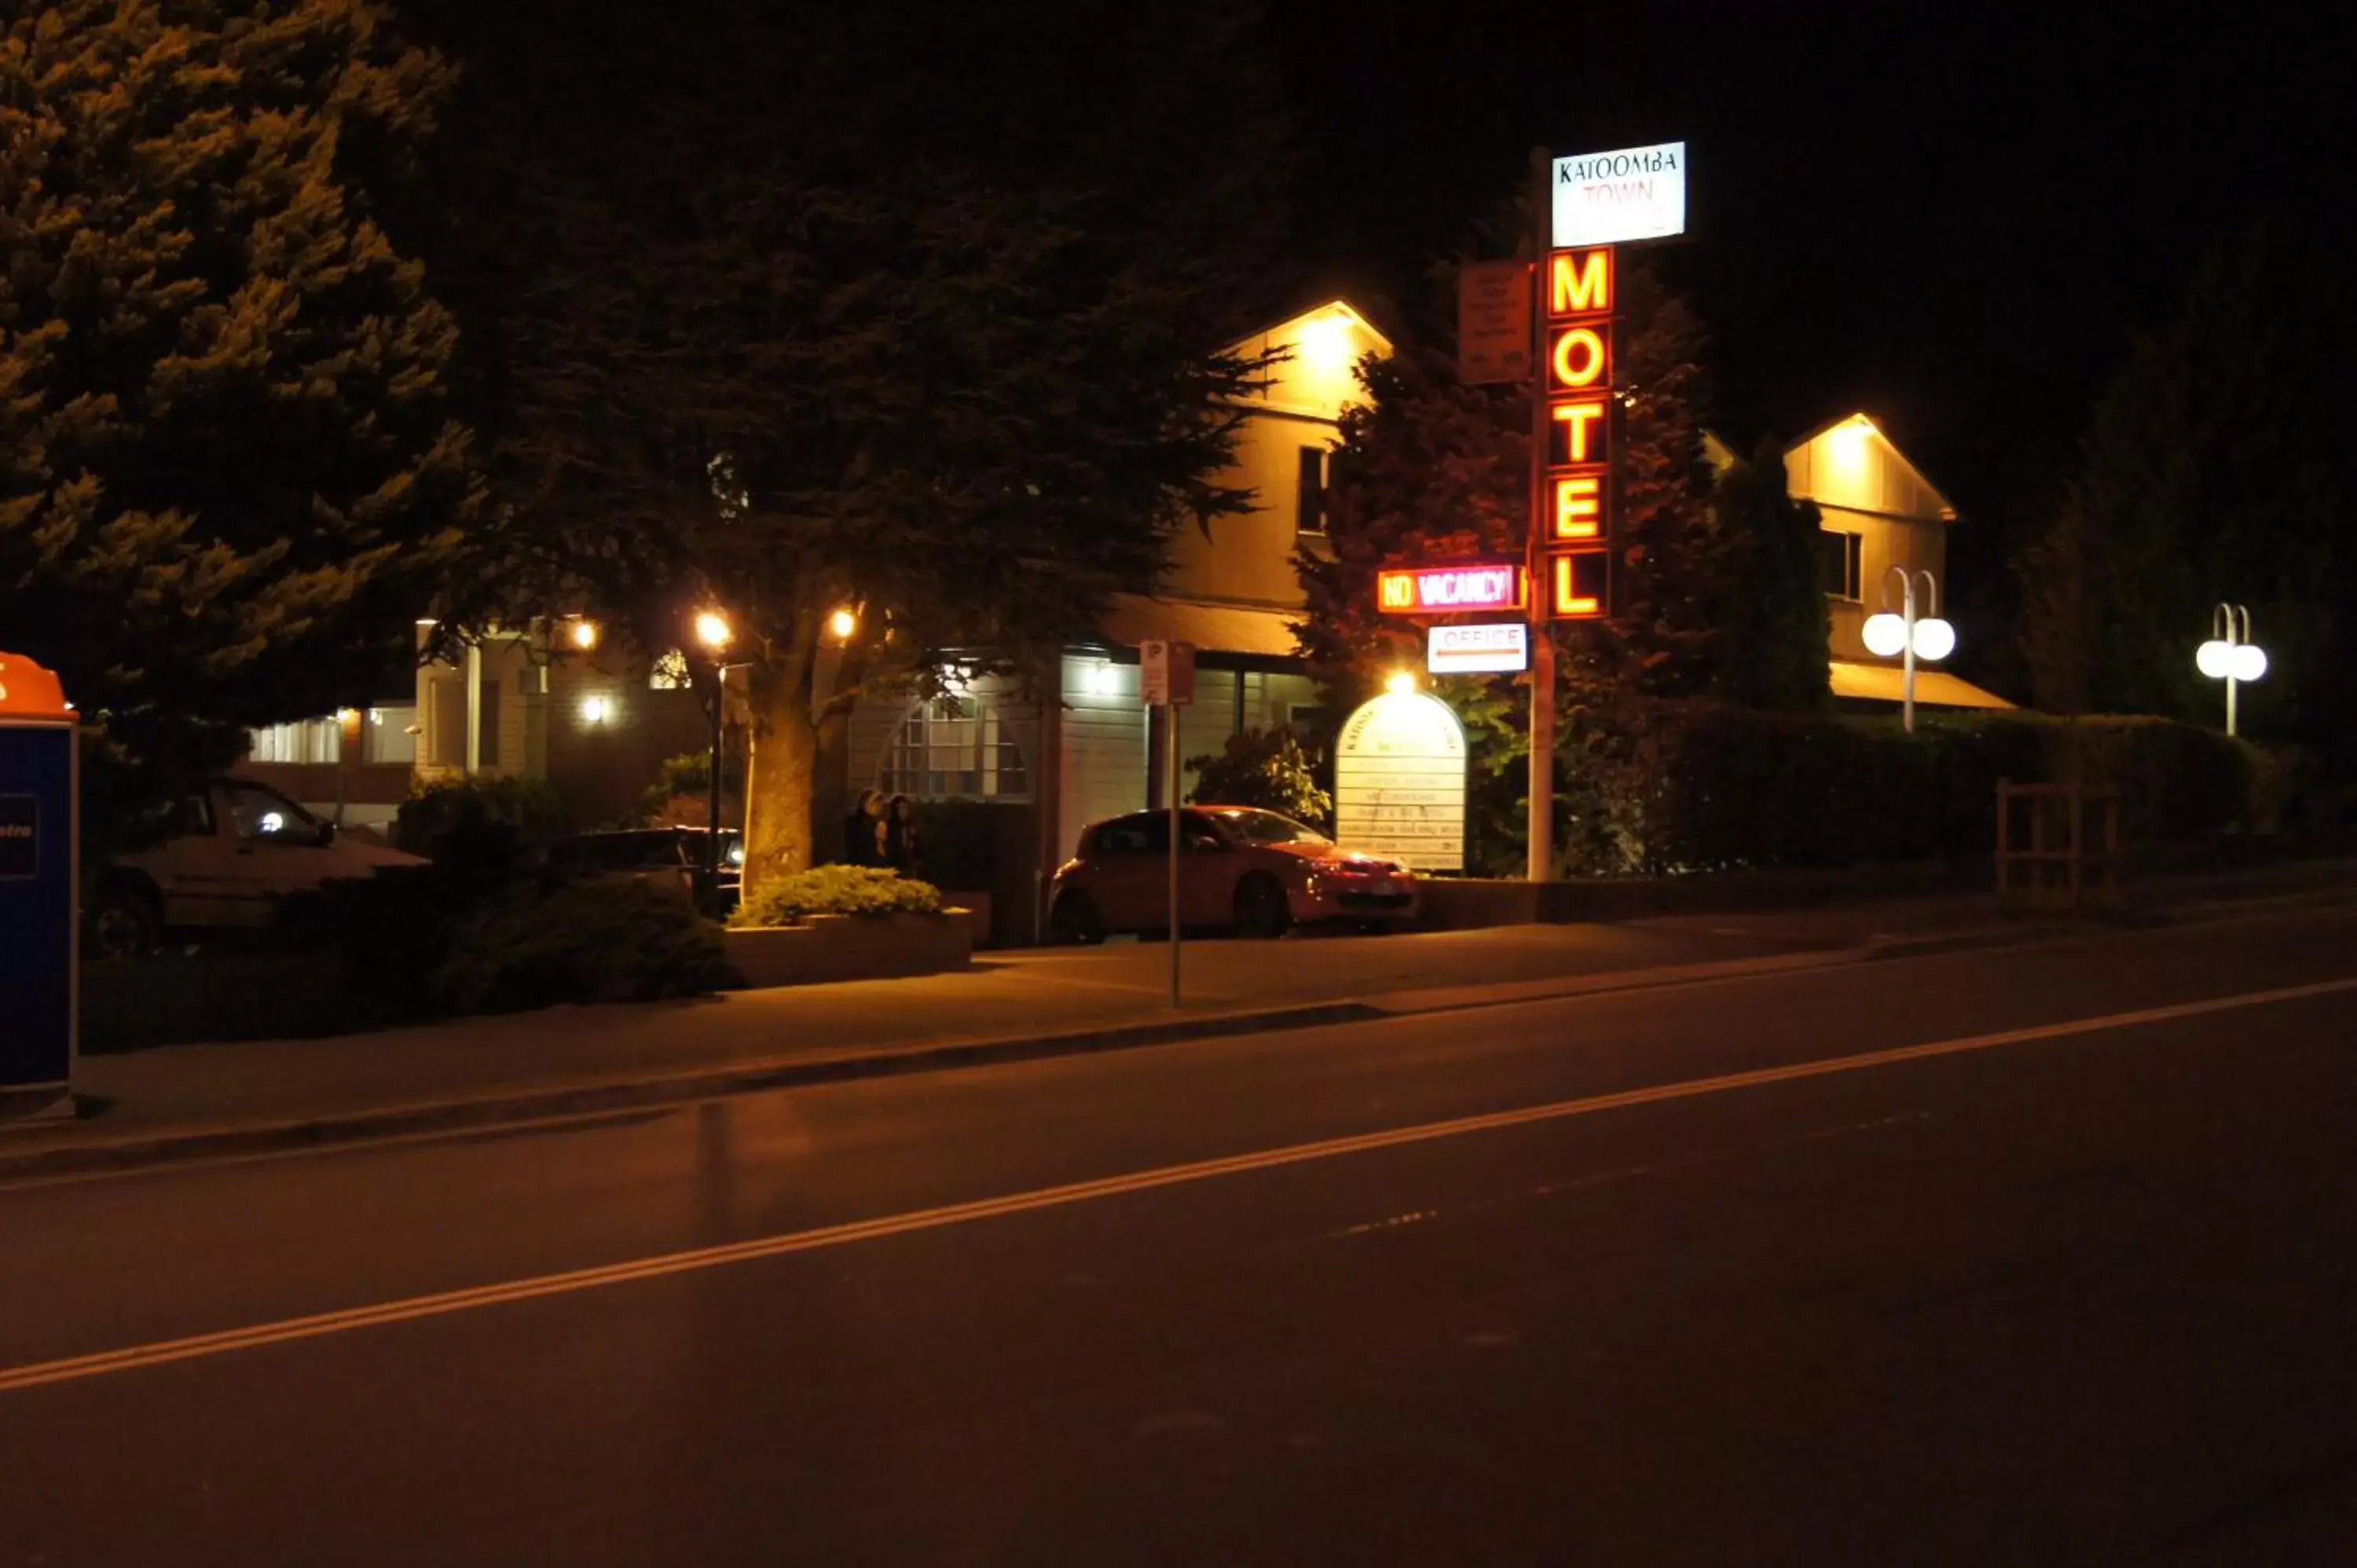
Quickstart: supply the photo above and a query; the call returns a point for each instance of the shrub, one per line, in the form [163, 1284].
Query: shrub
[481, 819]
[1267, 769]
[607, 938]
[1706, 787]
[835, 890]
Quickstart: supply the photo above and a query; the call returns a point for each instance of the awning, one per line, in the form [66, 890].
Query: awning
[1133, 618]
[1888, 683]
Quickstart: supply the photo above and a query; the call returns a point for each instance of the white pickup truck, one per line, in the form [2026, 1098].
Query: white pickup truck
[232, 851]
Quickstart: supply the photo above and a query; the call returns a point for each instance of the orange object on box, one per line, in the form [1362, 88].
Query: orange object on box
[29, 691]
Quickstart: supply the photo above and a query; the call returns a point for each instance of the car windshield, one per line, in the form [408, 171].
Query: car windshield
[1268, 827]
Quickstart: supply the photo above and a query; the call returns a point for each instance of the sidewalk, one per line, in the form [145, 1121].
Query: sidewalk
[183, 1101]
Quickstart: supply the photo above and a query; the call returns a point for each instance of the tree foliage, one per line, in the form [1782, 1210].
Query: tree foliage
[2212, 472]
[227, 465]
[1267, 769]
[818, 319]
[1771, 614]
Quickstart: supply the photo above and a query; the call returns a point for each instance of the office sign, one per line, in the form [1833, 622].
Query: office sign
[1493, 322]
[1611, 199]
[1399, 782]
[1444, 590]
[1488, 648]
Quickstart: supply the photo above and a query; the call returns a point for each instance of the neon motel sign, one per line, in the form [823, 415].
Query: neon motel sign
[1442, 590]
[1576, 517]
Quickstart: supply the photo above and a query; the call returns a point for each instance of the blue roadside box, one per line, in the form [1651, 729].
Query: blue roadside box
[40, 872]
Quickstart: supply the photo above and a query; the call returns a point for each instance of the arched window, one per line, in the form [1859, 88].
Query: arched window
[955, 748]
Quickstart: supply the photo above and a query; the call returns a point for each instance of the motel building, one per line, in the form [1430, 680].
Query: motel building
[598, 723]
[1875, 511]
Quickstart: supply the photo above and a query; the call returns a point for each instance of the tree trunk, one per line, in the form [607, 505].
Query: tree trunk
[780, 769]
[831, 791]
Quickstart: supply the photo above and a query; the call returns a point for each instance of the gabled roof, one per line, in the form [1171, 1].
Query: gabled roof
[1818, 490]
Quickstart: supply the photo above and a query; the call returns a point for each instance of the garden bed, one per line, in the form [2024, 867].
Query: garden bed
[851, 946]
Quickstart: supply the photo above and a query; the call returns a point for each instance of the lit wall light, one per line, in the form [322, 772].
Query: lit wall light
[596, 710]
[713, 631]
[843, 623]
[583, 633]
[1326, 340]
[1851, 443]
[1103, 678]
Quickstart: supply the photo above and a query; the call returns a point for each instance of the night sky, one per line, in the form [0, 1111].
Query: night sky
[1949, 216]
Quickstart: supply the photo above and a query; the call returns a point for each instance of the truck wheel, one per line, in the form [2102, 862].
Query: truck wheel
[124, 922]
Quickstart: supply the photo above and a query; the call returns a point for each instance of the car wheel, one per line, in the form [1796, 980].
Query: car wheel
[1075, 922]
[1261, 909]
[124, 923]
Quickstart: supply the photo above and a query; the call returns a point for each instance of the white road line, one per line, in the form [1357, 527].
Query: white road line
[164, 1352]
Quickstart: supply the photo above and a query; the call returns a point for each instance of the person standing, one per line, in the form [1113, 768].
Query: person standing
[863, 829]
[903, 850]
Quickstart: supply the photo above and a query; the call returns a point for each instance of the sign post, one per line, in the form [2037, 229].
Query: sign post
[1167, 676]
[40, 882]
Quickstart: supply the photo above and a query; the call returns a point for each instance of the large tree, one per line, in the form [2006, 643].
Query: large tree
[226, 463]
[823, 315]
[2213, 471]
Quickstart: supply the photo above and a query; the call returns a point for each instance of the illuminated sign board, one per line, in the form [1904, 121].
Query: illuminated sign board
[1609, 198]
[1442, 590]
[1399, 782]
[1487, 649]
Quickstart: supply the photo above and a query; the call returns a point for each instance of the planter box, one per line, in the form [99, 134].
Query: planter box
[851, 946]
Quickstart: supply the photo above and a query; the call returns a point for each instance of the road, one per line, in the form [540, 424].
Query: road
[2041, 1255]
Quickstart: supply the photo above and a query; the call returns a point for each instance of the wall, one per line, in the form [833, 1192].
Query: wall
[1250, 557]
[604, 733]
[1103, 771]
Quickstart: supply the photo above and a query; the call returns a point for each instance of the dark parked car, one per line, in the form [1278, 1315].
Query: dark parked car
[673, 855]
[1253, 871]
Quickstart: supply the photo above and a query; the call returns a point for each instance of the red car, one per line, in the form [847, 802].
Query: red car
[1255, 872]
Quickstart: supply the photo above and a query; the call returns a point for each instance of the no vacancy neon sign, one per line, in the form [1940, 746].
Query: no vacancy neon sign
[1442, 590]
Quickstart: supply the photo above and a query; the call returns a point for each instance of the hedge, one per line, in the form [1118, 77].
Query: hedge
[1699, 786]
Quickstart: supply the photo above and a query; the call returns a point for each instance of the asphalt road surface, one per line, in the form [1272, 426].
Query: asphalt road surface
[2030, 1256]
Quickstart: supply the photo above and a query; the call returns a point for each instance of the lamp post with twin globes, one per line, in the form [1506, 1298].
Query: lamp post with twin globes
[1917, 636]
[2230, 655]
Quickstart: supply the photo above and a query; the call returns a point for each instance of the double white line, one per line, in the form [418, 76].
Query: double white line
[288, 1330]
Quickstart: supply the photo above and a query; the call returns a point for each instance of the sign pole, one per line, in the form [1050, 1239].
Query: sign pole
[1541, 825]
[1170, 733]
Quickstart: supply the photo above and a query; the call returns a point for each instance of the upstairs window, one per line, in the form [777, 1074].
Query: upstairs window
[1840, 558]
[1309, 491]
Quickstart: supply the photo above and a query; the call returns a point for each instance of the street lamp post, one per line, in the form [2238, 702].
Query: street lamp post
[1923, 636]
[713, 631]
[2230, 655]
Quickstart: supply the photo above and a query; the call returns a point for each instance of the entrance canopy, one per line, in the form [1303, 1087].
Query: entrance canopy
[1888, 683]
[1256, 632]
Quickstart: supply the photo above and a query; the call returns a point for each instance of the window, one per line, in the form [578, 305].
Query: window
[446, 729]
[1839, 571]
[955, 748]
[487, 726]
[668, 673]
[266, 816]
[1148, 833]
[304, 740]
[389, 735]
[1309, 492]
